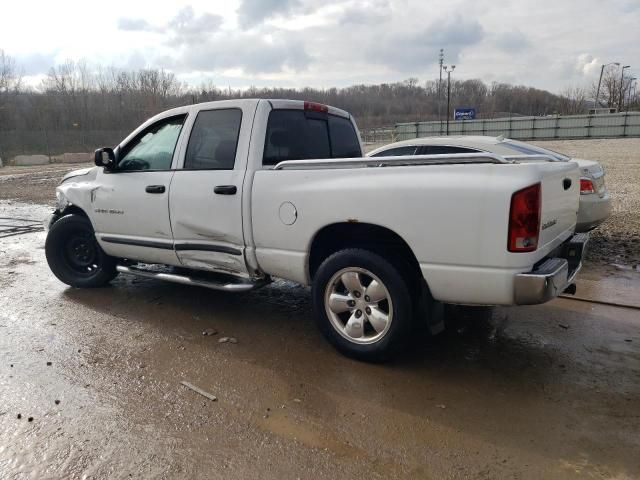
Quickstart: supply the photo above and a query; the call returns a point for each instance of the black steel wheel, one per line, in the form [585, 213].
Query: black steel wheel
[74, 256]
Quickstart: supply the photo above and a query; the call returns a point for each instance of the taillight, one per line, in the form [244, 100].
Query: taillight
[524, 219]
[586, 186]
[316, 107]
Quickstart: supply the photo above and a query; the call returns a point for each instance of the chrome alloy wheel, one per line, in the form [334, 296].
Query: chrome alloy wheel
[358, 305]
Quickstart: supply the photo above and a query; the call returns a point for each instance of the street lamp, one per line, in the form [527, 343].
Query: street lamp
[621, 85]
[440, 62]
[632, 82]
[600, 81]
[448, 71]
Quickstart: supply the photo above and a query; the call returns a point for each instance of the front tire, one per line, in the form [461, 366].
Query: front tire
[362, 304]
[74, 256]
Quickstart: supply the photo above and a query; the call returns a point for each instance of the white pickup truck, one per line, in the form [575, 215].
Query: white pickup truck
[227, 195]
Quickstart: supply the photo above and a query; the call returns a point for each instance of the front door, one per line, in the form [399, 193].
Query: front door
[131, 205]
[205, 200]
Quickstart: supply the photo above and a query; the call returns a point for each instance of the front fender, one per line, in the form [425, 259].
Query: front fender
[75, 194]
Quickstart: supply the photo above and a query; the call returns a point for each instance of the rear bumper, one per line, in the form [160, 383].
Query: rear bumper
[593, 210]
[553, 275]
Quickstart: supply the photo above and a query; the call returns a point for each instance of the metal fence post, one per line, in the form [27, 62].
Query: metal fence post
[555, 130]
[533, 128]
[624, 127]
[417, 126]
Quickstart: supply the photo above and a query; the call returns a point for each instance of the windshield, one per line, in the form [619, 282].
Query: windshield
[526, 149]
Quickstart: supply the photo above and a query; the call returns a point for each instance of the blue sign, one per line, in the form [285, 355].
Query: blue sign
[464, 114]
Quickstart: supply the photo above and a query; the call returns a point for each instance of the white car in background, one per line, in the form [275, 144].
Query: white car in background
[595, 202]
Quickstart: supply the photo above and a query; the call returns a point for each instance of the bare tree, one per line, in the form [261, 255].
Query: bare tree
[573, 100]
[10, 78]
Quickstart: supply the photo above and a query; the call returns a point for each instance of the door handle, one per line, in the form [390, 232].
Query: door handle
[155, 189]
[225, 189]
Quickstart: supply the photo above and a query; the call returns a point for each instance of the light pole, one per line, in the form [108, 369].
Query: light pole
[448, 71]
[631, 84]
[440, 61]
[600, 81]
[621, 103]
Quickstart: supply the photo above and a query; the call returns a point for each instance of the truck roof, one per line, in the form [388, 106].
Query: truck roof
[276, 103]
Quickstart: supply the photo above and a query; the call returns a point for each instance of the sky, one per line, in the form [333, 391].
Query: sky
[548, 44]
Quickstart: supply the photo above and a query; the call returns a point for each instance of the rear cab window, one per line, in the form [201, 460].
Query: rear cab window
[305, 135]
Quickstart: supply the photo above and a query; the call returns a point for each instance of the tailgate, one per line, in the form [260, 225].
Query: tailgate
[560, 198]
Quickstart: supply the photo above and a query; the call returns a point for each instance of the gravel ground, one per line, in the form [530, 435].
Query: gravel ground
[34, 184]
[617, 241]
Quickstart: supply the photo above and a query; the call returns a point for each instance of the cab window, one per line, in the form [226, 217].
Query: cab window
[214, 140]
[152, 149]
[301, 135]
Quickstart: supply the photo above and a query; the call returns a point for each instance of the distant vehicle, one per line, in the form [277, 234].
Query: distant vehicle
[227, 195]
[595, 202]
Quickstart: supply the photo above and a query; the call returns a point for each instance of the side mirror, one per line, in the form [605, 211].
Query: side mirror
[104, 157]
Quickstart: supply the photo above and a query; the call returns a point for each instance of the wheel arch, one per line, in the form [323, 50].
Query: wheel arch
[382, 240]
[70, 209]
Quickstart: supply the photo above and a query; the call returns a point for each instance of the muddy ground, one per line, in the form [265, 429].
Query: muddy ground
[550, 391]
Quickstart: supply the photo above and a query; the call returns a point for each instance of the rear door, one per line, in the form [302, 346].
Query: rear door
[205, 200]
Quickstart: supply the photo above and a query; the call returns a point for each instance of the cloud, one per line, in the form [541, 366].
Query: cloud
[135, 25]
[254, 12]
[251, 53]
[184, 27]
[366, 13]
[187, 27]
[513, 41]
[336, 42]
[36, 63]
[586, 64]
[409, 50]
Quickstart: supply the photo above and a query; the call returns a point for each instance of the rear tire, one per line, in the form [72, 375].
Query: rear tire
[362, 304]
[74, 256]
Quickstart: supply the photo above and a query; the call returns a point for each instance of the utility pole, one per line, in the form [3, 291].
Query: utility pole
[440, 61]
[621, 103]
[596, 104]
[448, 71]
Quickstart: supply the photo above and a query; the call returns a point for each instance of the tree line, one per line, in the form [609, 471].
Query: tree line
[78, 106]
